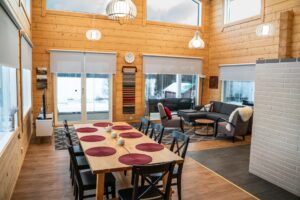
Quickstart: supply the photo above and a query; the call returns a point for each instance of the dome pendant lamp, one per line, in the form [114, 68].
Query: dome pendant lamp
[121, 10]
[196, 42]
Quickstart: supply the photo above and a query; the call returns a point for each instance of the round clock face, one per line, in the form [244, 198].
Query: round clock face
[129, 57]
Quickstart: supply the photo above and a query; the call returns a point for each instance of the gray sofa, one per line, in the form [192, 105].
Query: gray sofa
[218, 110]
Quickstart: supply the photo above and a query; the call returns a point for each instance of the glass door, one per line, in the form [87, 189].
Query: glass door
[69, 97]
[98, 97]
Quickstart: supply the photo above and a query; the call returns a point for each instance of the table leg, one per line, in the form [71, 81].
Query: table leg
[165, 181]
[100, 186]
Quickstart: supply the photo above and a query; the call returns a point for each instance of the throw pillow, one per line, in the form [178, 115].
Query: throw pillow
[168, 113]
[206, 108]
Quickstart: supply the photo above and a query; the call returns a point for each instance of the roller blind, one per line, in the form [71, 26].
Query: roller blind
[9, 41]
[66, 62]
[100, 63]
[242, 72]
[26, 54]
[172, 65]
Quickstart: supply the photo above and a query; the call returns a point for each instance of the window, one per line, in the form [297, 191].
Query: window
[236, 92]
[8, 99]
[26, 88]
[89, 7]
[186, 12]
[164, 86]
[236, 10]
[27, 7]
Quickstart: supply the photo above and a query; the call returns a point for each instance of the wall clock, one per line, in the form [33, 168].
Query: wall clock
[129, 57]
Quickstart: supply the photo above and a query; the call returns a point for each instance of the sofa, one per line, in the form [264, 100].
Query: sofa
[218, 110]
[174, 104]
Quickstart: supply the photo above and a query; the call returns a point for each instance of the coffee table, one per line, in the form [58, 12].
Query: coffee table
[206, 122]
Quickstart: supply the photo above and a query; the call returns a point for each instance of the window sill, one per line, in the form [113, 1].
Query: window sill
[5, 138]
[256, 17]
[168, 24]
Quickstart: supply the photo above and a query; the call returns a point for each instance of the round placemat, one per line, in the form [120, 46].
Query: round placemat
[100, 151]
[149, 147]
[135, 159]
[131, 135]
[121, 127]
[86, 130]
[103, 124]
[92, 138]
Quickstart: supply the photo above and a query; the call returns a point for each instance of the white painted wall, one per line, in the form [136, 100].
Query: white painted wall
[275, 149]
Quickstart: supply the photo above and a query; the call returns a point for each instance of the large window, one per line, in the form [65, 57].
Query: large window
[236, 10]
[8, 99]
[26, 88]
[27, 7]
[236, 92]
[89, 7]
[175, 11]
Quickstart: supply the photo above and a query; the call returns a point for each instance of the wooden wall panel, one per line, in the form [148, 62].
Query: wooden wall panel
[239, 43]
[62, 30]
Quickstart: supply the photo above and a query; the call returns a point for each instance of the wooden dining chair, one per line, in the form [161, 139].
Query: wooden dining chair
[85, 180]
[179, 146]
[144, 125]
[157, 132]
[76, 148]
[150, 190]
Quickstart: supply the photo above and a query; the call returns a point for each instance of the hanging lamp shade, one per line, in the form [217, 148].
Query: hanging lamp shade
[196, 42]
[121, 10]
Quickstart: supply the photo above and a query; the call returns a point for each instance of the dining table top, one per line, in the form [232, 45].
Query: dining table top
[111, 163]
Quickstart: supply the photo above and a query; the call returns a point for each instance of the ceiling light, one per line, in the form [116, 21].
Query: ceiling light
[121, 10]
[265, 30]
[196, 42]
[93, 34]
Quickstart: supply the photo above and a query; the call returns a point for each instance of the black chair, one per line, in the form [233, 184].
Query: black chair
[86, 181]
[179, 146]
[157, 132]
[150, 190]
[144, 125]
[76, 148]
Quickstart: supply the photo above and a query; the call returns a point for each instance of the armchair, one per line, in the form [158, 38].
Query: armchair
[175, 122]
[237, 127]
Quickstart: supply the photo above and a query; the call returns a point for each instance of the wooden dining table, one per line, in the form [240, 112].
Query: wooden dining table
[101, 165]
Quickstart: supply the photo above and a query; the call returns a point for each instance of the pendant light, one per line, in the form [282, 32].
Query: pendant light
[196, 42]
[121, 10]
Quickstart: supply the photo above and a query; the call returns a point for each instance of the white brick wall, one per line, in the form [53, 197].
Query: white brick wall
[275, 148]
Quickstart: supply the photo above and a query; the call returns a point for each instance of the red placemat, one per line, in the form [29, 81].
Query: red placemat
[86, 130]
[103, 124]
[92, 138]
[122, 127]
[135, 159]
[100, 151]
[149, 147]
[131, 135]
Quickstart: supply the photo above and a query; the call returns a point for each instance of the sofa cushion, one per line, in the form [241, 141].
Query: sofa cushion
[191, 115]
[217, 106]
[228, 108]
[215, 116]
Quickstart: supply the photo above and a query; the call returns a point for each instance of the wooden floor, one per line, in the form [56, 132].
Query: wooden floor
[45, 175]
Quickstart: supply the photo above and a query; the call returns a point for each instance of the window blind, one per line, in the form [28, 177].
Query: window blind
[100, 63]
[239, 72]
[9, 41]
[26, 54]
[172, 65]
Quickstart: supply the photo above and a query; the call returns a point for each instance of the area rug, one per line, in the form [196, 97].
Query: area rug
[233, 164]
[59, 136]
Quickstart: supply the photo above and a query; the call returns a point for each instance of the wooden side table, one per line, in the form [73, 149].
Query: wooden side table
[206, 122]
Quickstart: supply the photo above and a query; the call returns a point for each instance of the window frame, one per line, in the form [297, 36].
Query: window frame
[25, 112]
[223, 90]
[241, 21]
[23, 5]
[161, 23]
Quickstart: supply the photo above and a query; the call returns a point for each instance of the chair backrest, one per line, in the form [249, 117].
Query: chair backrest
[162, 113]
[179, 143]
[67, 132]
[157, 132]
[74, 163]
[144, 125]
[144, 172]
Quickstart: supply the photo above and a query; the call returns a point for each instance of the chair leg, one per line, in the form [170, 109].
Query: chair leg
[113, 191]
[243, 137]
[125, 172]
[80, 194]
[179, 187]
[76, 192]
[106, 192]
[233, 139]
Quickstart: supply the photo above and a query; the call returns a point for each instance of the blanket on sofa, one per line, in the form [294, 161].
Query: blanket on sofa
[244, 112]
